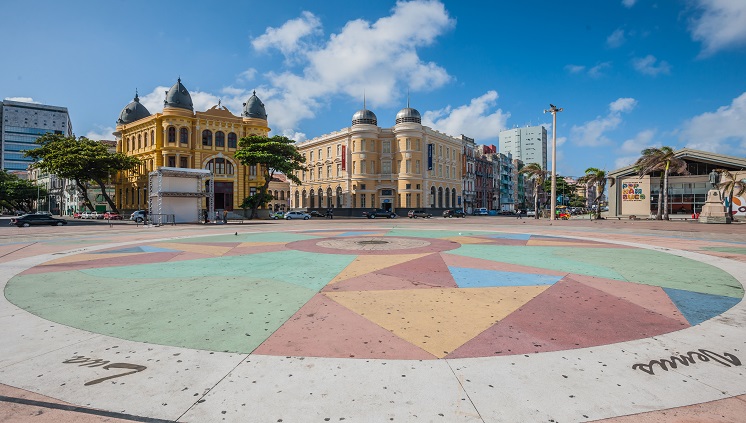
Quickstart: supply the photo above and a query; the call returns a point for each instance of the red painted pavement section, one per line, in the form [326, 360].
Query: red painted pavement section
[503, 241]
[187, 255]
[568, 315]
[477, 263]
[430, 271]
[144, 258]
[323, 328]
[372, 282]
[653, 298]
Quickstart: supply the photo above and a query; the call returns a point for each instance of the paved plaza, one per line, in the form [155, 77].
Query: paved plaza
[439, 320]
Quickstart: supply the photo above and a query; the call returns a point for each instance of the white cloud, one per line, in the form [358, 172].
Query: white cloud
[592, 133]
[575, 68]
[722, 25]
[293, 135]
[288, 37]
[247, 75]
[630, 150]
[593, 72]
[628, 3]
[647, 65]
[718, 131]
[101, 133]
[380, 58]
[22, 99]
[616, 39]
[473, 120]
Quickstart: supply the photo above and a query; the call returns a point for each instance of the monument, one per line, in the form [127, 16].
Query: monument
[714, 209]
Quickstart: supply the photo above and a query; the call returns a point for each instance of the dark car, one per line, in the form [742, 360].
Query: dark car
[315, 213]
[418, 213]
[388, 214]
[454, 213]
[36, 219]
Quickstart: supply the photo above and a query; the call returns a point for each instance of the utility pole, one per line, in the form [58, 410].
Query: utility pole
[553, 110]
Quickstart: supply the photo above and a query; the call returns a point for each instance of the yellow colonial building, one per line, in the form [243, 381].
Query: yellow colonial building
[364, 166]
[179, 137]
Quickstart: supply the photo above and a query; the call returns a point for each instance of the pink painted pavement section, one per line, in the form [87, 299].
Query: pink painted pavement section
[430, 271]
[568, 315]
[324, 328]
[653, 298]
[477, 263]
[375, 282]
[144, 258]
[187, 255]
[729, 410]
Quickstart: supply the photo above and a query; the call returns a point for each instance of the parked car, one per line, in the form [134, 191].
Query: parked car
[315, 213]
[36, 219]
[139, 216]
[481, 212]
[414, 214]
[277, 215]
[297, 215]
[388, 214]
[454, 213]
[76, 215]
[531, 213]
[112, 216]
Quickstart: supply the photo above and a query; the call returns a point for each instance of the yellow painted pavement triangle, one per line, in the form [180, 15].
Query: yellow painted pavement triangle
[366, 264]
[89, 257]
[195, 248]
[468, 240]
[437, 320]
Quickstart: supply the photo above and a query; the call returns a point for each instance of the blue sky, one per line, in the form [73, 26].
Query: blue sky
[628, 73]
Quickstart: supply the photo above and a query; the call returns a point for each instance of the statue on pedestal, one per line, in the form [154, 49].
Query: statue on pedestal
[714, 179]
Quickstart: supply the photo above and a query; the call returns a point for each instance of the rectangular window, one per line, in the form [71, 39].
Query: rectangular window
[409, 200]
[448, 173]
[409, 166]
[409, 144]
[171, 161]
[319, 172]
[417, 167]
[339, 168]
[310, 155]
[329, 152]
[319, 158]
[362, 167]
[372, 166]
[440, 171]
[373, 200]
[387, 147]
[386, 167]
[354, 168]
[329, 170]
[252, 171]
[362, 186]
[362, 145]
[183, 162]
[362, 200]
[408, 186]
[339, 149]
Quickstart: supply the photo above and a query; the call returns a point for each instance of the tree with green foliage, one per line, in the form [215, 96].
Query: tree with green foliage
[17, 193]
[662, 160]
[254, 202]
[81, 160]
[538, 175]
[270, 155]
[597, 177]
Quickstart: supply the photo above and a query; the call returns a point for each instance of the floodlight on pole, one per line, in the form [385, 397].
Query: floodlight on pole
[553, 110]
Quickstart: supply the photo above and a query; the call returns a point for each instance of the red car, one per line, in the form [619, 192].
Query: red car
[112, 216]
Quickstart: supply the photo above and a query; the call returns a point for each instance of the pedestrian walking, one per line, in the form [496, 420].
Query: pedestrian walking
[225, 216]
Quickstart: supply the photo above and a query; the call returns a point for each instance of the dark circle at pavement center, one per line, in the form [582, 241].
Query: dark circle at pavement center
[373, 245]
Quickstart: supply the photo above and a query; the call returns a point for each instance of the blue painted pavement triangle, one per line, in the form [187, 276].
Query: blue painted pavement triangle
[140, 249]
[508, 236]
[698, 307]
[479, 278]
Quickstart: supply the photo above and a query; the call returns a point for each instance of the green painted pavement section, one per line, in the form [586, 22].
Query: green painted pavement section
[253, 237]
[309, 270]
[734, 250]
[234, 314]
[635, 265]
[434, 233]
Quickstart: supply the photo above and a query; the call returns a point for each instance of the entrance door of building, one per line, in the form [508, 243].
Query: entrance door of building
[224, 195]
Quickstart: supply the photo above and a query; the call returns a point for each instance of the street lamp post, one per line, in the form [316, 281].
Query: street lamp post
[553, 110]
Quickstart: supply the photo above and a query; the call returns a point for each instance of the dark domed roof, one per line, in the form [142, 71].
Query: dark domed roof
[254, 108]
[364, 116]
[178, 97]
[408, 114]
[133, 112]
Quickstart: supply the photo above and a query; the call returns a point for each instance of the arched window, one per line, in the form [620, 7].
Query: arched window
[171, 134]
[329, 197]
[275, 195]
[448, 197]
[152, 137]
[297, 199]
[339, 197]
[440, 197]
[282, 195]
[232, 140]
[220, 139]
[184, 136]
[129, 144]
[432, 196]
[220, 166]
[207, 138]
[303, 199]
[311, 201]
[139, 141]
[321, 197]
[145, 137]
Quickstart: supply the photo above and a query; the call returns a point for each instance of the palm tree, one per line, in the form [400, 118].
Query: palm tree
[597, 177]
[730, 186]
[534, 172]
[661, 159]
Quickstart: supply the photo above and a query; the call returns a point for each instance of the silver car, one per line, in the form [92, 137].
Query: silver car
[297, 215]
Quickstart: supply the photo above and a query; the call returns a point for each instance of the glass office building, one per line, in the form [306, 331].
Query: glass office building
[21, 124]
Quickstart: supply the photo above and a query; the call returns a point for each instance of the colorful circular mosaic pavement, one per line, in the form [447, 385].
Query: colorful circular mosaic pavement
[397, 294]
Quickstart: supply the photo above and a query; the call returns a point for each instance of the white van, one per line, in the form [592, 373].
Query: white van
[481, 212]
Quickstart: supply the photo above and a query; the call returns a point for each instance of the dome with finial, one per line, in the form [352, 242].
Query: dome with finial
[408, 114]
[364, 116]
[133, 112]
[254, 108]
[178, 97]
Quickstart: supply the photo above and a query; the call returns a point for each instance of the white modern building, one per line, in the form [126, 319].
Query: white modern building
[21, 124]
[528, 144]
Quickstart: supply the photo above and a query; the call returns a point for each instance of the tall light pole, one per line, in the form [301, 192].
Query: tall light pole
[553, 110]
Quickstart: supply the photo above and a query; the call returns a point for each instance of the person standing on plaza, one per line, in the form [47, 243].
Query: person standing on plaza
[225, 216]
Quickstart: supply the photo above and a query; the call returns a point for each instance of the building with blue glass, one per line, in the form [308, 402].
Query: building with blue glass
[21, 124]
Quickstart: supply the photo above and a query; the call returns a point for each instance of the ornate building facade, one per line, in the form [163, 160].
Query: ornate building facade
[407, 166]
[179, 137]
